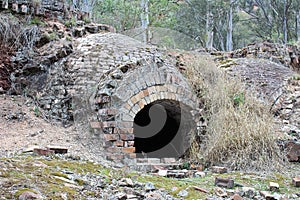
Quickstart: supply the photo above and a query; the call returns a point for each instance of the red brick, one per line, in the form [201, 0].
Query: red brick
[146, 92]
[140, 95]
[224, 182]
[129, 149]
[274, 186]
[134, 99]
[293, 151]
[132, 155]
[58, 149]
[296, 181]
[95, 125]
[123, 130]
[115, 157]
[113, 149]
[103, 99]
[119, 143]
[130, 143]
[127, 106]
[219, 170]
[43, 152]
[127, 137]
[107, 111]
[125, 124]
[108, 124]
[111, 137]
[141, 104]
[236, 197]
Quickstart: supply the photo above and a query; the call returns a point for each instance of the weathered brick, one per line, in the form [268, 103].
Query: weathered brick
[296, 181]
[141, 104]
[103, 99]
[147, 100]
[224, 182]
[24, 9]
[219, 170]
[128, 149]
[273, 186]
[293, 151]
[96, 125]
[108, 124]
[115, 157]
[5, 4]
[135, 109]
[142, 160]
[171, 88]
[130, 143]
[134, 99]
[127, 137]
[146, 92]
[156, 78]
[15, 7]
[108, 130]
[151, 98]
[132, 155]
[168, 160]
[127, 106]
[153, 160]
[111, 137]
[151, 90]
[43, 152]
[125, 124]
[124, 130]
[140, 95]
[113, 149]
[119, 143]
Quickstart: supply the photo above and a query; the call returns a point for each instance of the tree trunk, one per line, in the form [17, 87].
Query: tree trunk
[284, 22]
[145, 20]
[298, 25]
[229, 45]
[209, 27]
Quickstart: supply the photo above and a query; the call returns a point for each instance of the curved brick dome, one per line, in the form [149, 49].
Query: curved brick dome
[140, 105]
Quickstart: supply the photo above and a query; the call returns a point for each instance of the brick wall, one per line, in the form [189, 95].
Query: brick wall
[54, 8]
[120, 76]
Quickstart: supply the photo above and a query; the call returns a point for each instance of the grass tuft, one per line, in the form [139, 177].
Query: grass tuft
[239, 131]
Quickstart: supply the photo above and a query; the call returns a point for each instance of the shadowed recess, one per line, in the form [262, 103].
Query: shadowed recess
[160, 130]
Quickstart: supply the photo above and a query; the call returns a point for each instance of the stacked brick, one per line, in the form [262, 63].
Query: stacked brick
[38, 7]
[120, 79]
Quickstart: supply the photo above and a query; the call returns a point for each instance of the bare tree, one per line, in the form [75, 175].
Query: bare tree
[209, 26]
[229, 43]
[145, 20]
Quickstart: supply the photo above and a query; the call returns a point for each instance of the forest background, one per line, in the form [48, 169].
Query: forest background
[189, 24]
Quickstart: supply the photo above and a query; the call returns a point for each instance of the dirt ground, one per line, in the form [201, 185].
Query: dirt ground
[22, 127]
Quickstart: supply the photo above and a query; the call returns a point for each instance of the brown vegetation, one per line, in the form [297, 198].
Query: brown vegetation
[239, 131]
[14, 35]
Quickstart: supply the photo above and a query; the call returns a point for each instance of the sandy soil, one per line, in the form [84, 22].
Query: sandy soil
[21, 128]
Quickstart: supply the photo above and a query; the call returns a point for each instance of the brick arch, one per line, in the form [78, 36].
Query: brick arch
[120, 79]
[159, 92]
[123, 98]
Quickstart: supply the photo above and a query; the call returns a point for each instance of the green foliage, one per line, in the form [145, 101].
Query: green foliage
[125, 15]
[37, 21]
[121, 14]
[36, 111]
[71, 22]
[239, 99]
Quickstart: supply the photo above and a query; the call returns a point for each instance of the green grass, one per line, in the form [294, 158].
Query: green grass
[37, 174]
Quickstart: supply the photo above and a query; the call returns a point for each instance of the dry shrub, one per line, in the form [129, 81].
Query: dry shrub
[14, 36]
[239, 132]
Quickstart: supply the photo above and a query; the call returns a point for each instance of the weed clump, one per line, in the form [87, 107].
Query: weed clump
[239, 132]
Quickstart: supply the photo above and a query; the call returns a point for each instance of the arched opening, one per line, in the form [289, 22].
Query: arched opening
[161, 130]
